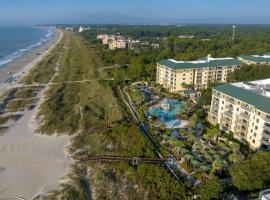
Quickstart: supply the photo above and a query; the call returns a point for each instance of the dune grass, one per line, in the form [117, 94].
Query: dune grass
[95, 112]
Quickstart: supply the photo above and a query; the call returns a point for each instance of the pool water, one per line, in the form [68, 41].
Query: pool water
[166, 111]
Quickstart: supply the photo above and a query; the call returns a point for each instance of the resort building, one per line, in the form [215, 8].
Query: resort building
[119, 44]
[186, 36]
[115, 41]
[244, 109]
[177, 75]
[255, 59]
[105, 38]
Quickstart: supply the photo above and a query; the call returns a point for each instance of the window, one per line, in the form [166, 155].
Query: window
[253, 141]
[257, 120]
[254, 134]
[256, 127]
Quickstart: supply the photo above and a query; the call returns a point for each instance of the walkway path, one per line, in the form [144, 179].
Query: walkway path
[146, 133]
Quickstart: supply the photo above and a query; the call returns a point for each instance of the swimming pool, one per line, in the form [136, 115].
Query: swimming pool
[167, 111]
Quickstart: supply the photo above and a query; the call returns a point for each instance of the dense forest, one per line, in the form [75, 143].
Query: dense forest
[141, 62]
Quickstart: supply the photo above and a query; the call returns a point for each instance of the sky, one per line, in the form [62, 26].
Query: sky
[134, 11]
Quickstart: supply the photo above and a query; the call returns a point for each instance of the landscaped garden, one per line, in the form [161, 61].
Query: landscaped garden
[182, 129]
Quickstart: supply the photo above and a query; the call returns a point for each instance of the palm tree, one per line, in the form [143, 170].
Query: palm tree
[217, 166]
[188, 157]
[184, 151]
[205, 168]
[195, 163]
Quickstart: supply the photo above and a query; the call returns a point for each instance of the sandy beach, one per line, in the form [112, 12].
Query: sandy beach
[30, 164]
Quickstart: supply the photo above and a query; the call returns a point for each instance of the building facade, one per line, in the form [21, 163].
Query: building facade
[255, 59]
[119, 44]
[105, 38]
[115, 41]
[244, 109]
[177, 75]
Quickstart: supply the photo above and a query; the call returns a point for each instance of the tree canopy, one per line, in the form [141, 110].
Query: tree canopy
[253, 173]
[210, 188]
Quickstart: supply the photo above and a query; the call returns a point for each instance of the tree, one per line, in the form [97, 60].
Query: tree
[217, 166]
[253, 173]
[212, 133]
[234, 158]
[210, 188]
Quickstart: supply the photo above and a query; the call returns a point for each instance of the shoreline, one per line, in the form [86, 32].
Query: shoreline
[21, 66]
[31, 164]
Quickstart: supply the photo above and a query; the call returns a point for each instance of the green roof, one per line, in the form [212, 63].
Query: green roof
[256, 59]
[260, 102]
[191, 65]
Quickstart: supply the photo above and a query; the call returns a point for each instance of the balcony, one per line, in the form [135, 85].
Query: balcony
[245, 116]
[265, 140]
[246, 108]
[229, 106]
[228, 114]
[267, 119]
[266, 127]
[230, 100]
[215, 113]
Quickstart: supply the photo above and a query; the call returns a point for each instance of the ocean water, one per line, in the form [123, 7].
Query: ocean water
[17, 41]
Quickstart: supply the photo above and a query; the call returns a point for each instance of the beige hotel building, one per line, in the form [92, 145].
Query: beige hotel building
[244, 109]
[173, 75]
[255, 59]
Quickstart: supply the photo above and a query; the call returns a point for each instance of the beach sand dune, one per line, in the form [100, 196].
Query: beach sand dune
[30, 163]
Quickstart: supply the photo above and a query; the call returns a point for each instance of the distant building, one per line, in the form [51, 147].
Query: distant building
[244, 109]
[105, 38]
[186, 36]
[115, 41]
[69, 28]
[154, 45]
[119, 44]
[206, 39]
[175, 75]
[255, 59]
[81, 29]
[264, 195]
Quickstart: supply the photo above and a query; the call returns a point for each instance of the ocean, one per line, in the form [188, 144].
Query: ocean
[17, 41]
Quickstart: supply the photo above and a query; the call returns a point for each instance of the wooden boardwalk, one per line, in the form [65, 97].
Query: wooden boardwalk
[132, 160]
